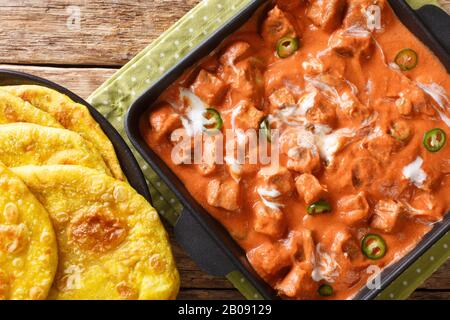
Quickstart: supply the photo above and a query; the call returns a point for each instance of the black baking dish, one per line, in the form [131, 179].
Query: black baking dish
[208, 243]
[127, 161]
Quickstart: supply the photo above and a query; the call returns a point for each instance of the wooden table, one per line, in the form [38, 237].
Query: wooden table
[42, 37]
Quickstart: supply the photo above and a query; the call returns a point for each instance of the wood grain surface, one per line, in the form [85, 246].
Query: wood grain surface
[83, 32]
[41, 37]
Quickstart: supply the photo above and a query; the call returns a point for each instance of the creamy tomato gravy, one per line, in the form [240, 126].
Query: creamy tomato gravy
[351, 129]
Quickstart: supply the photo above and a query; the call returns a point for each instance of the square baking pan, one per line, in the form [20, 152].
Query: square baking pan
[207, 241]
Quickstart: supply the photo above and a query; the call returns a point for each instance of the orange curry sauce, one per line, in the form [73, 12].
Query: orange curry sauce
[351, 126]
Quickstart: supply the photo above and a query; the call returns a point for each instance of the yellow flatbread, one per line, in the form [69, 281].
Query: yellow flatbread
[72, 116]
[28, 254]
[31, 144]
[111, 242]
[14, 109]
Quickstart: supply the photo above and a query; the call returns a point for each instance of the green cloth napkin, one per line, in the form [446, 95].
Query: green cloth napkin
[416, 4]
[116, 95]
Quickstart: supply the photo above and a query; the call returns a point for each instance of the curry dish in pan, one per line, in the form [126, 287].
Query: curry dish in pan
[359, 109]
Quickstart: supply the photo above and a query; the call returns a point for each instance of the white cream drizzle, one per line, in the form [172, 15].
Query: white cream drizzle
[322, 86]
[343, 100]
[326, 268]
[323, 140]
[236, 111]
[357, 31]
[306, 102]
[375, 133]
[438, 94]
[272, 194]
[353, 87]
[291, 115]
[194, 119]
[414, 172]
[330, 144]
[235, 168]
[312, 64]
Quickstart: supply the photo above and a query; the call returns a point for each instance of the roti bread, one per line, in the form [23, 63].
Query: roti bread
[111, 242]
[72, 116]
[28, 253]
[30, 144]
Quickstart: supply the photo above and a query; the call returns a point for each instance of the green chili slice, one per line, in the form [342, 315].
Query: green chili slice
[264, 126]
[434, 140]
[286, 46]
[373, 246]
[325, 290]
[215, 121]
[406, 59]
[321, 206]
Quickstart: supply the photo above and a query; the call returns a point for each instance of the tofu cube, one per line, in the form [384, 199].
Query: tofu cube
[385, 215]
[382, 147]
[309, 188]
[303, 160]
[276, 26]
[281, 98]
[163, 121]
[356, 14]
[268, 221]
[235, 52]
[276, 178]
[326, 14]
[209, 88]
[339, 240]
[354, 209]
[268, 259]
[248, 117]
[318, 109]
[223, 194]
[348, 44]
[294, 282]
[427, 207]
[246, 78]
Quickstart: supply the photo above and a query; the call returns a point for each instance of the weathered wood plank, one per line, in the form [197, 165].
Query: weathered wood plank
[195, 283]
[430, 295]
[82, 81]
[89, 32]
[190, 294]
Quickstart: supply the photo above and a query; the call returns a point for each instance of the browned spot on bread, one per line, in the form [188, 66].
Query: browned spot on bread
[157, 263]
[4, 285]
[97, 230]
[64, 117]
[126, 291]
[10, 113]
[13, 238]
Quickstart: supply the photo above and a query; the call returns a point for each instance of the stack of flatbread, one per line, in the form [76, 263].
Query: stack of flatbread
[71, 227]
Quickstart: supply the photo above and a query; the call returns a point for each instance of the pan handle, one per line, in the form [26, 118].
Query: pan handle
[434, 14]
[193, 238]
[210, 257]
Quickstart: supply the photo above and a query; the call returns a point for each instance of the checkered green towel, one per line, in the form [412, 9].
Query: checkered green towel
[115, 96]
